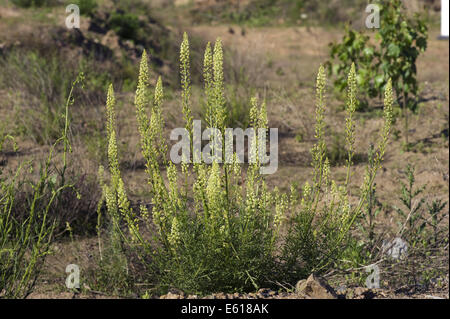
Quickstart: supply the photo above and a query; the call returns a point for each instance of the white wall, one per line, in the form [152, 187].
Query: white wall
[444, 18]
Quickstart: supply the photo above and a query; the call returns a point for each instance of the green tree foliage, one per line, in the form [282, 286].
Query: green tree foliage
[400, 41]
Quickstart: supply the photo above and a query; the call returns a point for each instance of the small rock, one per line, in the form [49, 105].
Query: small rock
[170, 296]
[315, 288]
[341, 290]
[176, 291]
[360, 291]
[266, 293]
[363, 293]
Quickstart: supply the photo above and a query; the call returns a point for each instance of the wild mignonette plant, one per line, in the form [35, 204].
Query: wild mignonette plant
[319, 231]
[218, 227]
[212, 234]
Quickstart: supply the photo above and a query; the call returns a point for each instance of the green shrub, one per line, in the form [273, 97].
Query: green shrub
[87, 7]
[355, 48]
[401, 40]
[126, 25]
[30, 3]
[207, 232]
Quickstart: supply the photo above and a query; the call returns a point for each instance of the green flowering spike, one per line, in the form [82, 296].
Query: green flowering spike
[219, 99]
[388, 117]
[263, 121]
[349, 123]
[326, 171]
[112, 154]
[306, 190]
[144, 212]
[122, 198]
[388, 102]
[281, 207]
[319, 149]
[157, 122]
[208, 79]
[126, 211]
[110, 200]
[208, 66]
[254, 112]
[320, 102]
[174, 237]
[110, 112]
[146, 126]
[110, 127]
[159, 94]
[236, 167]
[254, 123]
[153, 146]
[262, 131]
[185, 81]
[141, 97]
[158, 219]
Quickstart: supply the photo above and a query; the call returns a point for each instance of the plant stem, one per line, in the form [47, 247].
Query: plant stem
[405, 114]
